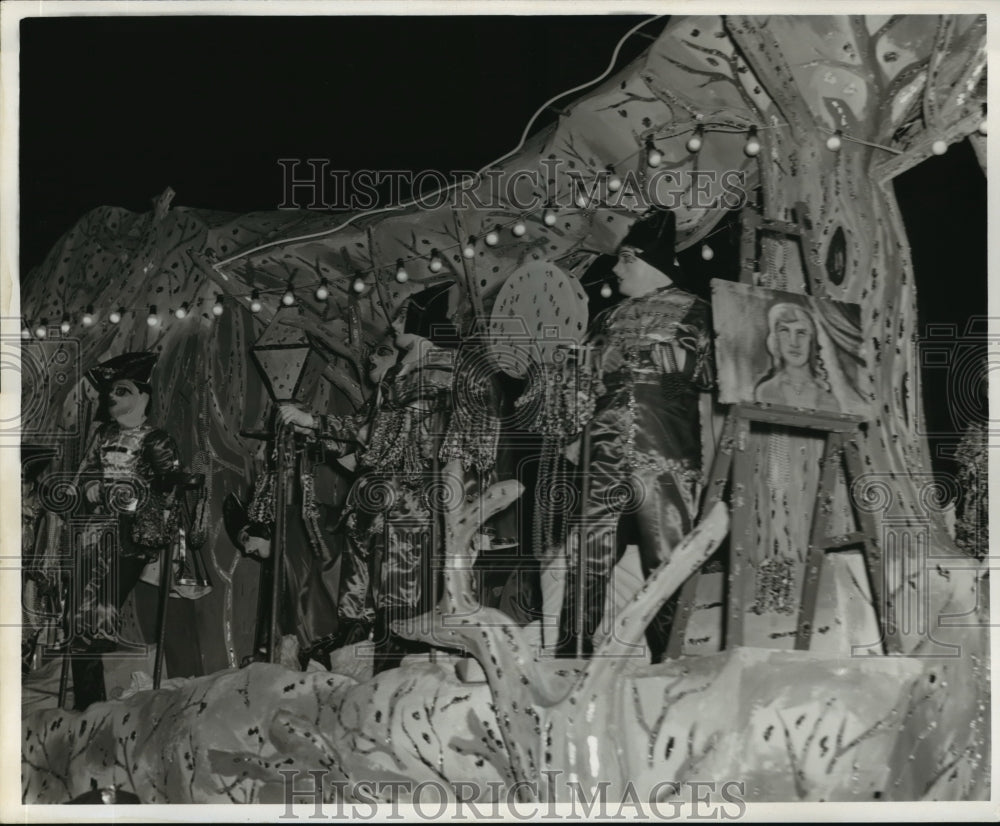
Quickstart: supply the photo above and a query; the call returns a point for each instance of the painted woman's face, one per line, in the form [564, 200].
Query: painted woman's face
[124, 399]
[794, 341]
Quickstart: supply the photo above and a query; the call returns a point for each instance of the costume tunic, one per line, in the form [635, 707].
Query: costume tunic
[387, 515]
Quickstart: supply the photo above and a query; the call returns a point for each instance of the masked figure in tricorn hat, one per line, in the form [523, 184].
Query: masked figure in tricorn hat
[645, 454]
[127, 477]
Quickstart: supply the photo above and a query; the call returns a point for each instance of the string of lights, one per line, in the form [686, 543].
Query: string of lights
[517, 225]
[698, 129]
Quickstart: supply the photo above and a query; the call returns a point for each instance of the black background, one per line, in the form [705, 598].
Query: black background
[114, 110]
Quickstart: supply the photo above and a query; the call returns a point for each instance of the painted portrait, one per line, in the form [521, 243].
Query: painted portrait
[788, 350]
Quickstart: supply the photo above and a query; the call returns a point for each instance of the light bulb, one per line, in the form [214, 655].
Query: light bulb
[217, 307]
[982, 127]
[402, 276]
[939, 147]
[436, 263]
[116, 315]
[694, 142]
[605, 291]
[182, 311]
[358, 285]
[654, 157]
[833, 143]
[88, 317]
[549, 218]
[288, 299]
[25, 333]
[152, 320]
[42, 330]
[614, 181]
[707, 253]
[255, 305]
[322, 291]
[469, 250]
[492, 238]
[519, 229]
[65, 326]
[752, 146]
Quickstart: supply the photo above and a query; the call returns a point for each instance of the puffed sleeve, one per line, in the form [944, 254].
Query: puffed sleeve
[161, 459]
[341, 434]
[695, 336]
[473, 430]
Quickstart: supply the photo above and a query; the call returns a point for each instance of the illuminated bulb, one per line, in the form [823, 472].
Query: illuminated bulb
[322, 291]
[982, 127]
[25, 333]
[833, 142]
[605, 291]
[519, 229]
[402, 276]
[88, 317]
[217, 306]
[255, 305]
[359, 285]
[654, 157]
[614, 182]
[492, 238]
[549, 218]
[42, 330]
[469, 250]
[288, 299]
[436, 263]
[152, 319]
[182, 311]
[707, 253]
[752, 146]
[694, 142]
[116, 315]
[65, 326]
[939, 147]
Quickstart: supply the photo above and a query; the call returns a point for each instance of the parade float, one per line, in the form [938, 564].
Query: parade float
[815, 116]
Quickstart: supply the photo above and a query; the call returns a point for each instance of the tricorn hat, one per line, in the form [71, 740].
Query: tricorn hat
[135, 367]
[653, 236]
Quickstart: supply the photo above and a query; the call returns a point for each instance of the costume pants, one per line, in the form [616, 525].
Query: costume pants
[117, 579]
[644, 446]
[386, 574]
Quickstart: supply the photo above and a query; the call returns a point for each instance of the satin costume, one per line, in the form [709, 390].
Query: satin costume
[134, 467]
[645, 450]
[387, 573]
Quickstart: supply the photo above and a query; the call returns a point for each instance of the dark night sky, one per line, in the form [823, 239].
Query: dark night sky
[114, 110]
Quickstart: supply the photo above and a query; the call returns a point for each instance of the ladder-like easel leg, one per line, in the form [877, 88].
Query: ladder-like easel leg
[817, 546]
[742, 536]
[873, 557]
[719, 476]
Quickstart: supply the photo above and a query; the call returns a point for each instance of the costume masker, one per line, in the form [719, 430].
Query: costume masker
[645, 439]
[136, 468]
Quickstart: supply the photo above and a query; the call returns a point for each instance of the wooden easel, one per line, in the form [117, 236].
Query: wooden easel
[733, 464]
